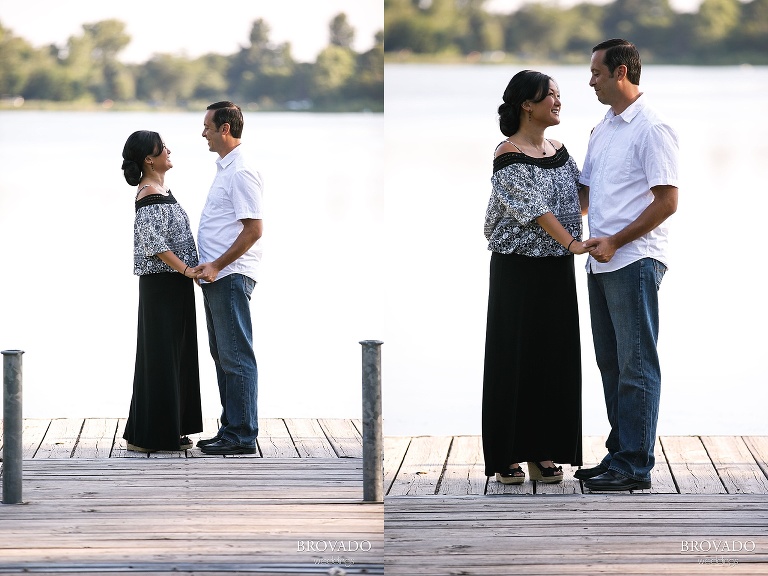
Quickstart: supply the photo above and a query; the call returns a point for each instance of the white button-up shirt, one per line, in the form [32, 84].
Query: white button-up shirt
[628, 155]
[236, 193]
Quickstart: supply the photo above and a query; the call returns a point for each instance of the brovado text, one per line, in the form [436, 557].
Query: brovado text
[333, 546]
[717, 546]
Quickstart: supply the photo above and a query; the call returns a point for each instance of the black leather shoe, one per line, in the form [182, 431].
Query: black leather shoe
[587, 473]
[614, 482]
[224, 448]
[201, 443]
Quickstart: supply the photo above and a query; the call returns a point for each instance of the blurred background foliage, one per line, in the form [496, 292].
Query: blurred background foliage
[720, 32]
[262, 75]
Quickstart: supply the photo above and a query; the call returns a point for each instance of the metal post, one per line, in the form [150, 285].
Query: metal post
[12, 425]
[373, 471]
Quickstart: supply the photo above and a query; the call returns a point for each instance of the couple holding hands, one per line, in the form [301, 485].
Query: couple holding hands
[628, 189]
[165, 406]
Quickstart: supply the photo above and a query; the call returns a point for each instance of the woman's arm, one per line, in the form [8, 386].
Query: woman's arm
[553, 227]
[174, 262]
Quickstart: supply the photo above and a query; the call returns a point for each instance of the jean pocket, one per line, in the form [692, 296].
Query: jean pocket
[659, 270]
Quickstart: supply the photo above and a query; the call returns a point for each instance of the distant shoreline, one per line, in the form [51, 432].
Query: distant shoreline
[502, 58]
[20, 104]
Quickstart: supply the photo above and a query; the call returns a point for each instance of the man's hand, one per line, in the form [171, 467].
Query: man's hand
[206, 271]
[602, 249]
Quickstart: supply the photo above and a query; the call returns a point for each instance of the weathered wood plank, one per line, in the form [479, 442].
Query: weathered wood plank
[662, 481]
[691, 466]
[210, 429]
[569, 485]
[193, 515]
[309, 438]
[345, 440]
[274, 439]
[96, 438]
[395, 448]
[60, 438]
[33, 432]
[573, 534]
[758, 446]
[593, 450]
[464, 470]
[120, 447]
[735, 465]
[422, 466]
[494, 488]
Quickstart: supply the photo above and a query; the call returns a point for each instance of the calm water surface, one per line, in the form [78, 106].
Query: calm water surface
[441, 130]
[374, 230]
[66, 237]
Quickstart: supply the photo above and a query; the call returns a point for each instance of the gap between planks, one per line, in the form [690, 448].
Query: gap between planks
[79, 438]
[453, 465]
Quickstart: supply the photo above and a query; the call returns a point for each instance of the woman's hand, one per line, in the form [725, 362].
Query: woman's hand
[580, 247]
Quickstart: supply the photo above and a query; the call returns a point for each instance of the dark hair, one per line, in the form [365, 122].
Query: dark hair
[618, 52]
[525, 85]
[139, 145]
[228, 113]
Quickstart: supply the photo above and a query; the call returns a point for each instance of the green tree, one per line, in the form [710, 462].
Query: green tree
[422, 26]
[342, 33]
[538, 29]
[166, 79]
[715, 21]
[210, 72]
[262, 71]
[751, 36]
[648, 23]
[334, 67]
[368, 81]
[479, 30]
[17, 60]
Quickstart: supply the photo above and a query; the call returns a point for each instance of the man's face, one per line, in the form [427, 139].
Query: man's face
[212, 134]
[602, 81]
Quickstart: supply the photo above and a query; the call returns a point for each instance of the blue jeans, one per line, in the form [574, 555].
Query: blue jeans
[624, 308]
[230, 337]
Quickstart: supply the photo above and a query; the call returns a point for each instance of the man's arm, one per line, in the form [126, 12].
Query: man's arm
[663, 206]
[248, 236]
[584, 199]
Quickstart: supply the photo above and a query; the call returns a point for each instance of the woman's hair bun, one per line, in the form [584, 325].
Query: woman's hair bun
[132, 172]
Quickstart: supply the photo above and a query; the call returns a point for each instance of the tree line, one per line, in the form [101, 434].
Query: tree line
[261, 75]
[720, 32]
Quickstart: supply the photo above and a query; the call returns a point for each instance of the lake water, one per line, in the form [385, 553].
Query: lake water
[373, 230]
[441, 130]
[68, 294]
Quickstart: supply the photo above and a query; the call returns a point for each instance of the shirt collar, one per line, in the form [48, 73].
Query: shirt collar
[632, 110]
[229, 158]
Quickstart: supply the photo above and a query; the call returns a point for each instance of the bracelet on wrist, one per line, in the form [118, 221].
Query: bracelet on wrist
[569, 244]
[185, 271]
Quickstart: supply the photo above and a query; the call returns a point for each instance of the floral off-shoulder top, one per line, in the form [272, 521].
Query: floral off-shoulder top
[525, 188]
[161, 224]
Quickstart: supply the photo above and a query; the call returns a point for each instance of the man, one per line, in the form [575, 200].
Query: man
[630, 177]
[230, 250]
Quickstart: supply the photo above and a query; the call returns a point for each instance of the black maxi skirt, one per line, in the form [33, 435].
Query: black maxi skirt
[166, 380]
[532, 376]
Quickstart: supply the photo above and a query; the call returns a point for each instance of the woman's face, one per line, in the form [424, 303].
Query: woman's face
[548, 110]
[162, 160]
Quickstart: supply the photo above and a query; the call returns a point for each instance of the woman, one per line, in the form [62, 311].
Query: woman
[166, 384]
[532, 378]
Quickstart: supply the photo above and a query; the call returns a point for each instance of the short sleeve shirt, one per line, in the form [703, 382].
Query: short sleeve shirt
[236, 194]
[629, 154]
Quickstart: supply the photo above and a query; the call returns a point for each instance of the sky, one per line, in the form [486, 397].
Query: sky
[180, 27]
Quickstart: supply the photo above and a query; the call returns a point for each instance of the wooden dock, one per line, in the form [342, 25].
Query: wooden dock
[706, 513]
[453, 466]
[91, 506]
